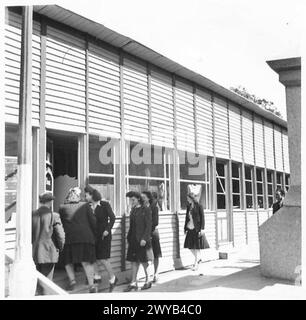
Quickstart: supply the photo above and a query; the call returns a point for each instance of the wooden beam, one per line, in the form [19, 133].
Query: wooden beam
[23, 278]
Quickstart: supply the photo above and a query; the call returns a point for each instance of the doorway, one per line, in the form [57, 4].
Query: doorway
[62, 165]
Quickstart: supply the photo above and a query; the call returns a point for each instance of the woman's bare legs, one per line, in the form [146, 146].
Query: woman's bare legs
[89, 271]
[108, 267]
[70, 272]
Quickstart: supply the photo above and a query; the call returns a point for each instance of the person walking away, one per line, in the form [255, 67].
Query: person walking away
[139, 239]
[80, 228]
[48, 237]
[105, 219]
[194, 228]
[279, 196]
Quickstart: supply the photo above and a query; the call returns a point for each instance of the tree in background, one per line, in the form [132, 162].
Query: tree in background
[263, 103]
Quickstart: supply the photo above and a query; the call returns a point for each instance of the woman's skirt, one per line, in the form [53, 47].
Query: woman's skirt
[103, 247]
[193, 241]
[137, 253]
[156, 244]
[79, 252]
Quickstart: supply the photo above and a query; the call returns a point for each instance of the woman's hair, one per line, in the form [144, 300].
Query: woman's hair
[192, 196]
[281, 191]
[154, 195]
[149, 195]
[74, 195]
[95, 194]
[135, 194]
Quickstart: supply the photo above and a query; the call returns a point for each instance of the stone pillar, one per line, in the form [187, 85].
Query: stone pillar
[280, 236]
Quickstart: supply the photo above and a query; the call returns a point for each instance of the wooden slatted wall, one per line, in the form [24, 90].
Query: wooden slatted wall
[263, 215]
[115, 258]
[162, 109]
[235, 133]
[104, 113]
[167, 234]
[278, 148]
[185, 131]
[286, 151]
[269, 144]
[221, 128]
[65, 81]
[239, 228]
[136, 105]
[247, 135]
[259, 142]
[12, 47]
[204, 118]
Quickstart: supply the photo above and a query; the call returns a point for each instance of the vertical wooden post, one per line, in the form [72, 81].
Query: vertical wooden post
[22, 278]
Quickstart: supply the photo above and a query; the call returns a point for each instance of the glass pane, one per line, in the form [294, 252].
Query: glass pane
[270, 201]
[236, 201]
[259, 189]
[236, 186]
[248, 175]
[11, 135]
[287, 179]
[249, 202]
[157, 186]
[221, 201]
[269, 176]
[287, 188]
[199, 189]
[192, 166]
[270, 189]
[259, 175]
[105, 185]
[220, 169]
[235, 170]
[248, 187]
[221, 185]
[260, 202]
[279, 178]
[146, 160]
[100, 156]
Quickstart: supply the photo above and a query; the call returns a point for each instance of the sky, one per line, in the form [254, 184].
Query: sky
[227, 41]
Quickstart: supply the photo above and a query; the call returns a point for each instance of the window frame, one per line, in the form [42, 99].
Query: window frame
[262, 182]
[251, 181]
[240, 185]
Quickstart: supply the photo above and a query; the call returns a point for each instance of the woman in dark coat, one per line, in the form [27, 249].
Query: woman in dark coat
[105, 219]
[139, 239]
[194, 228]
[80, 229]
[150, 199]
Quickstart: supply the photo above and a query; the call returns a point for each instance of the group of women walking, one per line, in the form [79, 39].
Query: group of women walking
[83, 233]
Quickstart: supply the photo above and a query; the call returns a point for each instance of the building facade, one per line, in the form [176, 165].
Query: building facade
[89, 93]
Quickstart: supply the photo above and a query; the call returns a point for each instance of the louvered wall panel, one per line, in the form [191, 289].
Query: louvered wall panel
[104, 117]
[247, 136]
[278, 148]
[235, 133]
[204, 118]
[12, 56]
[269, 144]
[185, 131]
[136, 105]
[259, 142]
[221, 128]
[65, 81]
[286, 151]
[162, 109]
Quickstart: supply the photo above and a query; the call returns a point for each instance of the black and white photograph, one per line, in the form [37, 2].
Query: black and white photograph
[151, 150]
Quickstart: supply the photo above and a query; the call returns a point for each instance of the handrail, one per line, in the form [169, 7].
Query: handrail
[11, 174]
[49, 286]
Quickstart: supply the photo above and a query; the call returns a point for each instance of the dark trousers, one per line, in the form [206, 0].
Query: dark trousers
[47, 269]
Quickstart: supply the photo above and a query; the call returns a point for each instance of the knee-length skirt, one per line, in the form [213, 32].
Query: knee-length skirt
[156, 244]
[193, 241]
[79, 252]
[103, 247]
[137, 253]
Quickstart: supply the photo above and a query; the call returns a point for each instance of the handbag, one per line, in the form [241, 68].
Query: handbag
[203, 240]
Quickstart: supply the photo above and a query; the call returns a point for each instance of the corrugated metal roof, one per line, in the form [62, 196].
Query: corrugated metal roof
[135, 48]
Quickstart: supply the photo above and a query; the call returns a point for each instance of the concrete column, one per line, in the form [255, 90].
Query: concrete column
[280, 236]
[22, 277]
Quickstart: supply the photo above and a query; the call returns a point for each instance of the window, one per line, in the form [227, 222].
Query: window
[236, 188]
[248, 177]
[101, 167]
[260, 188]
[148, 169]
[194, 177]
[287, 182]
[221, 185]
[279, 180]
[270, 182]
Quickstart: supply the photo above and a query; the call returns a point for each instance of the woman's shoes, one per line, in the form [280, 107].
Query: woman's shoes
[146, 286]
[195, 267]
[71, 285]
[112, 285]
[93, 289]
[155, 279]
[131, 287]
